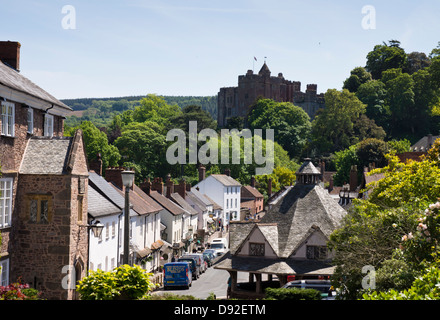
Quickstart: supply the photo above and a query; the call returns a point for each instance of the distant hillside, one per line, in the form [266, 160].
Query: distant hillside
[101, 110]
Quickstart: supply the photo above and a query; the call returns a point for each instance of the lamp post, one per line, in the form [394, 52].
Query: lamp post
[127, 181]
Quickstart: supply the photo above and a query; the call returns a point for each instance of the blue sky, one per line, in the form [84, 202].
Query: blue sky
[194, 47]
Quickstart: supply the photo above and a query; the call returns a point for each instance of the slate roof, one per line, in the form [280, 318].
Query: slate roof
[99, 205]
[108, 190]
[44, 155]
[424, 144]
[141, 202]
[176, 197]
[226, 180]
[167, 203]
[203, 198]
[308, 168]
[274, 266]
[303, 207]
[15, 80]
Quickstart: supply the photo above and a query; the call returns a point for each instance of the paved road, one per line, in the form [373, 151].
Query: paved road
[213, 280]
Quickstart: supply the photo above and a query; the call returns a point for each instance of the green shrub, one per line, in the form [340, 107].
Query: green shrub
[292, 294]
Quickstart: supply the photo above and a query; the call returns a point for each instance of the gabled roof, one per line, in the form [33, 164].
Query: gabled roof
[250, 192]
[301, 208]
[15, 80]
[264, 70]
[109, 191]
[176, 197]
[172, 207]
[141, 202]
[203, 198]
[425, 143]
[52, 155]
[98, 205]
[226, 180]
[44, 155]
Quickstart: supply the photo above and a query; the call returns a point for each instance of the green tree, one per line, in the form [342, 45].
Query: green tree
[373, 94]
[384, 57]
[358, 76]
[143, 146]
[193, 113]
[155, 108]
[333, 128]
[96, 142]
[290, 123]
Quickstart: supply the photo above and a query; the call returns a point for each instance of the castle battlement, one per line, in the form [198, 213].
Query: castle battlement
[236, 101]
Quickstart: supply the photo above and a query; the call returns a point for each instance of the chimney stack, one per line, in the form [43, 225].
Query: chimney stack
[228, 172]
[169, 185]
[202, 171]
[181, 188]
[10, 54]
[96, 165]
[353, 178]
[253, 181]
[146, 186]
[114, 175]
[157, 185]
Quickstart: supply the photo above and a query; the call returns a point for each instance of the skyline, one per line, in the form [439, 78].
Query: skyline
[194, 48]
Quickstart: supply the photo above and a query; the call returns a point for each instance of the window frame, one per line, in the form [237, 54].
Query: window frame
[48, 129]
[7, 120]
[6, 217]
[40, 198]
[257, 249]
[4, 272]
[30, 120]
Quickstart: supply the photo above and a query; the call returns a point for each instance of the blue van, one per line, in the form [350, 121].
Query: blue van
[177, 274]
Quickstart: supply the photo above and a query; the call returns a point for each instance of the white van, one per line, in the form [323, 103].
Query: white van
[220, 245]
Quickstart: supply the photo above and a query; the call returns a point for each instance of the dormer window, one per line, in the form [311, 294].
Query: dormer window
[7, 119]
[48, 125]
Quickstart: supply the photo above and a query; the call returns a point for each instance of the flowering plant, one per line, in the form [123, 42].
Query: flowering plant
[18, 291]
[422, 244]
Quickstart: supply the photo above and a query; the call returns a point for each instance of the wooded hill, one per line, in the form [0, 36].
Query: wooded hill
[101, 111]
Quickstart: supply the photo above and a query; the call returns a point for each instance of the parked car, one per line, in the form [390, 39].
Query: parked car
[195, 269]
[200, 261]
[177, 274]
[324, 286]
[209, 258]
[220, 245]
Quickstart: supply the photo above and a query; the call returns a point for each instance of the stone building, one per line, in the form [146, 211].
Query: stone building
[43, 186]
[291, 238]
[236, 101]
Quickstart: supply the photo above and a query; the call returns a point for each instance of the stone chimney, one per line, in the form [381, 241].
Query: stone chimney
[157, 185]
[353, 178]
[146, 186]
[202, 171]
[114, 175]
[228, 172]
[10, 54]
[96, 165]
[253, 181]
[181, 188]
[169, 185]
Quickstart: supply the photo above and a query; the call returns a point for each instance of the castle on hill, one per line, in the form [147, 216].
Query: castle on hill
[236, 101]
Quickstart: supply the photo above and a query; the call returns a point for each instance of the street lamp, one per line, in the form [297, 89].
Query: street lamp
[127, 181]
[96, 228]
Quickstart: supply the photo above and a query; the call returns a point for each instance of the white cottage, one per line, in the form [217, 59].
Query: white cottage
[225, 191]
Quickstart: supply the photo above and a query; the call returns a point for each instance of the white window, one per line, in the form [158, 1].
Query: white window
[227, 203]
[5, 202]
[48, 125]
[4, 272]
[30, 120]
[236, 202]
[7, 118]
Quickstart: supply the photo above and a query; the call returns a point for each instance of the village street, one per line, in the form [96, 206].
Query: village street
[212, 281]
